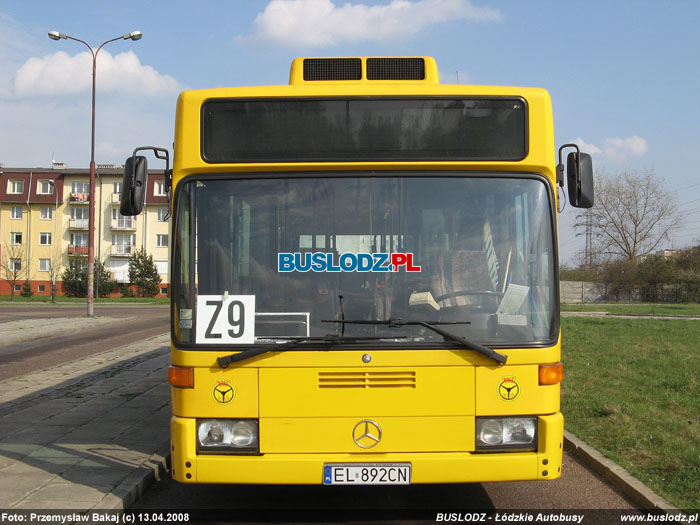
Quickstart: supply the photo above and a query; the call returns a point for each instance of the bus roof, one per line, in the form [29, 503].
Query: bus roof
[366, 77]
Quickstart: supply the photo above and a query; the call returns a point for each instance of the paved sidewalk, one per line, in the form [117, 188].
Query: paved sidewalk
[87, 434]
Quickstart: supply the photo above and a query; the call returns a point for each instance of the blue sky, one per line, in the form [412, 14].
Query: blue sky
[624, 75]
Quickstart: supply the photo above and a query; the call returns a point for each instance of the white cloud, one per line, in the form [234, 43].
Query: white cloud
[62, 74]
[45, 102]
[585, 147]
[37, 130]
[619, 147]
[322, 23]
[616, 149]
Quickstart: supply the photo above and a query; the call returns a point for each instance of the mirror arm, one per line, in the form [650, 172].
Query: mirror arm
[560, 166]
[160, 153]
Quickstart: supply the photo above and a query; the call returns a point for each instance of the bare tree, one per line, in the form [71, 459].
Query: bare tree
[55, 268]
[13, 266]
[632, 216]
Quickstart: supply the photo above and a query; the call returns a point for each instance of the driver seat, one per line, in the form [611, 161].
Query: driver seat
[461, 271]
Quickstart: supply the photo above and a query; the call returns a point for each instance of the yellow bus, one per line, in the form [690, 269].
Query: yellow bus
[364, 278]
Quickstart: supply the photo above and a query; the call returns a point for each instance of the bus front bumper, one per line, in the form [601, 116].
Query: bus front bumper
[426, 467]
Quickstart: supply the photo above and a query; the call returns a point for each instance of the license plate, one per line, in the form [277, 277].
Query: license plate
[367, 474]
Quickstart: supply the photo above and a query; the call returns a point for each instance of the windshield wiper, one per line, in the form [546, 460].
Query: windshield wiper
[397, 322]
[295, 342]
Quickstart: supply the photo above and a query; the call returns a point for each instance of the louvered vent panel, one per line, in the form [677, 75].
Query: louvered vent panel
[395, 69]
[404, 379]
[332, 69]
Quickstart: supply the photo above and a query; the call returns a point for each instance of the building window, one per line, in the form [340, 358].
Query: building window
[78, 265]
[163, 291]
[80, 187]
[18, 288]
[41, 288]
[44, 265]
[15, 265]
[162, 240]
[79, 239]
[45, 239]
[16, 212]
[162, 214]
[79, 213]
[46, 213]
[159, 189]
[123, 239]
[117, 188]
[16, 238]
[15, 186]
[44, 187]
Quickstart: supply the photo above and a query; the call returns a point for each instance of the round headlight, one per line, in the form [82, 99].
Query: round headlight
[215, 434]
[491, 432]
[242, 434]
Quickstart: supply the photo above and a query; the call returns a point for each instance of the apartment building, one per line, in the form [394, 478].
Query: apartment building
[44, 216]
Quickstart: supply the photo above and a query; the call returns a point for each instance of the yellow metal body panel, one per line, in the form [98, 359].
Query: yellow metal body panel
[429, 424]
[307, 468]
[218, 393]
[296, 73]
[334, 392]
[550, 445]
[540, 157]
[353, 358]
[513, 390]
[335, 434]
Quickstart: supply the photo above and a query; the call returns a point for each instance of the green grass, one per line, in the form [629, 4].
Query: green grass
[632, 391]
[63, 299]
[636, 308]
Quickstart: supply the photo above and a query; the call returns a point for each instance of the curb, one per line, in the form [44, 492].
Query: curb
[617, 476]
[134, 486]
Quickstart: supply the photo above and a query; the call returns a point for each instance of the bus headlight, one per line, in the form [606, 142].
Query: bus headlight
[227, 435]
[493, 433]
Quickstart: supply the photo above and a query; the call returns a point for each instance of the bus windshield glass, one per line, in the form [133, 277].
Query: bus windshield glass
[297, 252]
[356, 129]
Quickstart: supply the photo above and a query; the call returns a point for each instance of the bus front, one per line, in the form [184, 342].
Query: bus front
[364, 283]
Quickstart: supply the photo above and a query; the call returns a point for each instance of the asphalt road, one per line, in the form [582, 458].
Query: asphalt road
[140, 322]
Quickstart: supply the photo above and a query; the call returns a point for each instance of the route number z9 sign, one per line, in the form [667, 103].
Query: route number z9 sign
[226, 319]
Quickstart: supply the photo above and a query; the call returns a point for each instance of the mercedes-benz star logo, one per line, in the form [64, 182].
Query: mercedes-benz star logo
[367, 433]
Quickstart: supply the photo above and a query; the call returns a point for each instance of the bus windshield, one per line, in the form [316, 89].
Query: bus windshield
[309, 249]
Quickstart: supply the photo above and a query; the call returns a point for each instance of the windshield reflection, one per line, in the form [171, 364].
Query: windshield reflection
[475, 251]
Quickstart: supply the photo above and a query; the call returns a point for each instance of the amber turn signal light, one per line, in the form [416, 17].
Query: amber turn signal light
[181, 377]
[551, 374]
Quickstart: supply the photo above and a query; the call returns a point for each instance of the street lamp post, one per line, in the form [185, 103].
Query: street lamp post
[55, 35]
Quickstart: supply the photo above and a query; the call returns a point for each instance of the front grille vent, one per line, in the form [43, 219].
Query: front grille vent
[395, 69]
[332, 69]
[403, 379]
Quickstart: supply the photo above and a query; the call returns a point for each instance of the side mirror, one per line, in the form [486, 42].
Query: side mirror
[134, 185]
[579, 176]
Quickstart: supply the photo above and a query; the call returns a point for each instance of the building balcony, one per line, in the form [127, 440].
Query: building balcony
[79, 198]
[79, 224]
[121, 250]
[80, 251]
[127, 223]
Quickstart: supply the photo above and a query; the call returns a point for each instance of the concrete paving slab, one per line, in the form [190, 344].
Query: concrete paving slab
[67, 433]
